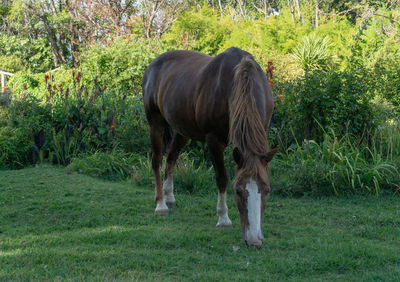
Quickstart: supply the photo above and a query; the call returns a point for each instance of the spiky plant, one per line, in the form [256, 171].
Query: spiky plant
[313, 53]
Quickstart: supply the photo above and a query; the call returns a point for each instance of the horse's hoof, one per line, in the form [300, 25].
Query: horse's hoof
[162, 212]
[171, 204]
[224, 225]
[161, 208]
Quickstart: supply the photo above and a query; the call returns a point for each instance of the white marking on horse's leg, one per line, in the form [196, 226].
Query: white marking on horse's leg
[168, 188]
[222, 211]
[253, 233]
[161, 207]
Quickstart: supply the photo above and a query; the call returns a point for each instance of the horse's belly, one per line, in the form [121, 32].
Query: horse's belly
[185, 124]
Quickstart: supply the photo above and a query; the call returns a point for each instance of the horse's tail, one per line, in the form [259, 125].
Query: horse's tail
[246, 128]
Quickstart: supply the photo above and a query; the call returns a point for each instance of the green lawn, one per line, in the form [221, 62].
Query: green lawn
[60, 226]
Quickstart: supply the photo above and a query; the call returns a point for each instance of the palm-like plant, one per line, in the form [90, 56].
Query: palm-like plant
[313, 53]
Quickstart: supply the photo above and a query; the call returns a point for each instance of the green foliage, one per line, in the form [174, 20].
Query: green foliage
[384, 77]
[323, 101]
[27, 53]
[313, 53]
[76, 120]
[193, 179]
[338, 165]
[111, 165]
[132, 134]
[115, 65]
[22, 81]
[201, 30]
[15, 147]
[10, 63]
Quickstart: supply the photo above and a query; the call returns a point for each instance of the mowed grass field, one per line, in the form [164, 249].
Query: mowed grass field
[60, 226]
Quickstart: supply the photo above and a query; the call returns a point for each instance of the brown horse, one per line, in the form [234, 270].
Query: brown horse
[219, 100]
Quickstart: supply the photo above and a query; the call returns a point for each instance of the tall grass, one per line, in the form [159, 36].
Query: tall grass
[340, 165]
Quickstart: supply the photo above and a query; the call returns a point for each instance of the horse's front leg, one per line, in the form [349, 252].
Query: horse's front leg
[221, 176]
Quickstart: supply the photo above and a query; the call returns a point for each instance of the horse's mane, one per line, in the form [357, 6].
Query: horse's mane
[246, 128]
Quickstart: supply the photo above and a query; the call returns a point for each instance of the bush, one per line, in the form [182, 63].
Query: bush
[200, 30]
[322, 101]
[193, 179]
[114, 165]
[15, 148]
[115, 65]
[337, 166]
[86, 119]
[313, 53]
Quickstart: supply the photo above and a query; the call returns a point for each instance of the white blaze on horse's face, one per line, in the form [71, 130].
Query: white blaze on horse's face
[250, 202]
[253, 231]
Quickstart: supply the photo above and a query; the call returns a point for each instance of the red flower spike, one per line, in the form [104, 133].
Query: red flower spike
[271, 82]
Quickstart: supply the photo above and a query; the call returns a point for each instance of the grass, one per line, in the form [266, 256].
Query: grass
[55, 225]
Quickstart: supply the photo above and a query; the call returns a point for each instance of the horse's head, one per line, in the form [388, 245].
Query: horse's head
[251, 189]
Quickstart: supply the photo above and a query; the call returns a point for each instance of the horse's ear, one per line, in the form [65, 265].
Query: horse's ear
[268, 156]
[237, 157]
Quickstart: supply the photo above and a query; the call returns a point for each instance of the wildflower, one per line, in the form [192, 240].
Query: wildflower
[60, 85]
[67, 93]
[112, 126]
[46, 77]
[271, 82]
[73, 73]
[54, 87]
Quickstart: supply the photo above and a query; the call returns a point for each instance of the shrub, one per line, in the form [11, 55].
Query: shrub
[322, 101]
[111, 165]
[313, 53]
[193, 179]
[200, 30]
[116, 64]
[338, 165]
[15, 148]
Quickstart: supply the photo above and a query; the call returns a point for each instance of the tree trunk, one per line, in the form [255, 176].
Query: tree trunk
[297, 4]
[265, 9]
[316, 12]
[58, 56]
[220, 8]
[291, 10]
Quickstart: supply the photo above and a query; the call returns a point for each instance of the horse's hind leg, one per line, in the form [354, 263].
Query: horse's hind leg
[156, 138]
[221, 175]
[177, 143]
